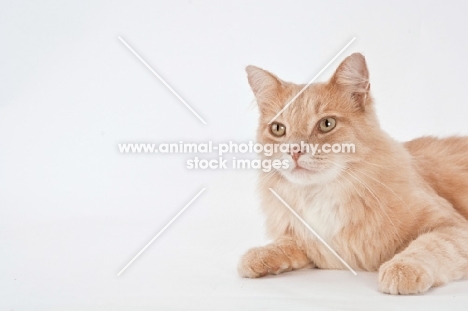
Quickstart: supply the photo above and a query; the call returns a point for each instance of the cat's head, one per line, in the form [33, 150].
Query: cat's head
[324, 114]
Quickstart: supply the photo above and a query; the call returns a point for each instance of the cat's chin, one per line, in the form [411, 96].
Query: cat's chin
[302, 176]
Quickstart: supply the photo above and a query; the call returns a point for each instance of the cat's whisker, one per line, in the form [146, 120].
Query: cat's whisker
[396, 195]
[384, 185]
[267, 177]
[375, 164]
[358, 193]
[380, 204]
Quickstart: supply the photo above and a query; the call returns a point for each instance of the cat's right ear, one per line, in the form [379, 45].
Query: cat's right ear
[265, 86]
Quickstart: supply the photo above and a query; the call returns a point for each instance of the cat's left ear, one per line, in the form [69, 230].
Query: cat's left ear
[352, 77]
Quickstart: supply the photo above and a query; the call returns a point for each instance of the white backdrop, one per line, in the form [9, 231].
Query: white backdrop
[74, 211]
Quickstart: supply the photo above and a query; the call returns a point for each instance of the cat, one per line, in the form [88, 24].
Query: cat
[397, 208]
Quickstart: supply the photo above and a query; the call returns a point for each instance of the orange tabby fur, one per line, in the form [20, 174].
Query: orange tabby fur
[399, 209]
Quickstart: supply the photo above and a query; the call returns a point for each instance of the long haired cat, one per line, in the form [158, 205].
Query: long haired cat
[399, 209]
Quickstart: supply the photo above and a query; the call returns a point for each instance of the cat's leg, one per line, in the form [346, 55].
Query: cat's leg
[282, 255]
[432, 259]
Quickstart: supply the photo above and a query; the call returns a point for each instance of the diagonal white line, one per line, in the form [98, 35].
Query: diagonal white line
[162, 80]
[161, 231]
[313, 231]
[313, 79]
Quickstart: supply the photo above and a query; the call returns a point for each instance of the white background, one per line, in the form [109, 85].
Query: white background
[74, 211]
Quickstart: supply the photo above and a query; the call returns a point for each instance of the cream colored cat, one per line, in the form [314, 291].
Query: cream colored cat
[399, 209]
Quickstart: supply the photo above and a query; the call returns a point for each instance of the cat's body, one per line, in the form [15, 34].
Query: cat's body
[443, 163]
[399, 209]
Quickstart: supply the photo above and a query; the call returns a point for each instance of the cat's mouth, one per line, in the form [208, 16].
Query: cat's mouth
[301, 169]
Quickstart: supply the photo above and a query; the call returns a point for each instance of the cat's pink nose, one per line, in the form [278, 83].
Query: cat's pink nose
[296, 155]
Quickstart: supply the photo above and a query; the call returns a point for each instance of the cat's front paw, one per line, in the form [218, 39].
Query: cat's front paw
[260, 261]
[403, 277]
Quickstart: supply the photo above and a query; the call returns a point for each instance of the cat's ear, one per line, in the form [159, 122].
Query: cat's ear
[352, 77]
[265, 85]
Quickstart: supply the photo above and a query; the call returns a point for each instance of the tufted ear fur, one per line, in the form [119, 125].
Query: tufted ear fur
[352, 77]
[265, 86]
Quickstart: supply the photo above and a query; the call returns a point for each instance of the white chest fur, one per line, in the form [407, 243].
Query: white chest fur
[322, 210]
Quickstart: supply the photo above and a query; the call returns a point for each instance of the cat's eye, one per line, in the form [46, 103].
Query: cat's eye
[327, 124]
[277, 129]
